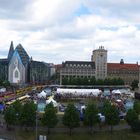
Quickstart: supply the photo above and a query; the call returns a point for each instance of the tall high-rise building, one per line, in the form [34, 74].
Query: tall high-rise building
[99, 56]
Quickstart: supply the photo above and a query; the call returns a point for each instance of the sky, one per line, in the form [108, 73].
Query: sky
[54, 31]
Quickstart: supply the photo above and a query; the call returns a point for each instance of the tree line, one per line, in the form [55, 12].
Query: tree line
[132, 117]
[25, 115]
[4, 83]
[91, 81]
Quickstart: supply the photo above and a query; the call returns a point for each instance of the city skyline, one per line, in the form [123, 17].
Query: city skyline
[56, 31]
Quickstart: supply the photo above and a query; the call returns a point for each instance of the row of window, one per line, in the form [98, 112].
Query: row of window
[80, 73]
[125, 76]
[78, 65]
[78, 70]
[123, 72]
[77, 76]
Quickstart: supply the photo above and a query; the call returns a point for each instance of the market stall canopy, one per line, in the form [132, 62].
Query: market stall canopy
[94, 92]
[43, 94]
[51, 100]
[116, 91]
[2, 89]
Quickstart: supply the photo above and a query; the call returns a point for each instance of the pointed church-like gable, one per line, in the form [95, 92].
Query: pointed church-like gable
[11, 51]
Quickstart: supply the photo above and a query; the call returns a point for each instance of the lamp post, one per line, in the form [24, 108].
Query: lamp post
[36, 127]
[36, 122]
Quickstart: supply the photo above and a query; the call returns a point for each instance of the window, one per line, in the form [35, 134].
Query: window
[16, 74]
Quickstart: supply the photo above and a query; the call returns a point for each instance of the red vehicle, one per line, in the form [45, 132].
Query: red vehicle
[6, 96]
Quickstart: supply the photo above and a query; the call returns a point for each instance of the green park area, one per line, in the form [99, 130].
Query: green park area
[67, 126]
[116, 135]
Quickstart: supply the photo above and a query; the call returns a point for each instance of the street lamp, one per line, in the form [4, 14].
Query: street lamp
[36, 127]
[36, 122]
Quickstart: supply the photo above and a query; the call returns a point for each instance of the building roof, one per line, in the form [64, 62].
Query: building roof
[80, 63]
[101, 48]
[11, 51]
[23, 54]
[38, 63]
[58, 66]
[122, 66]
[4, 61]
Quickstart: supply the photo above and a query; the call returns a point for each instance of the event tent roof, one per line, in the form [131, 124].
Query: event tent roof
[51, 100]
[78, 91]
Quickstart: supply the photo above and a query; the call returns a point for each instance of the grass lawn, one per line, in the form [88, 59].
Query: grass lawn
[97, 136]
[117, 135]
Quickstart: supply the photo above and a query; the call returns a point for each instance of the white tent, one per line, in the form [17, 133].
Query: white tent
[51, 100]
[116, 91]
[94, 92]
[42, 94]
[2, 89]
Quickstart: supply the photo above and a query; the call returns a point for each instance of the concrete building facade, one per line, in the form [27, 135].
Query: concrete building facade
[101, 69]
[99, 57]
[128, 72]
[79, 69]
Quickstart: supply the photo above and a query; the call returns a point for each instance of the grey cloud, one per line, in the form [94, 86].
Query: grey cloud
[14, 8]
[123, 9]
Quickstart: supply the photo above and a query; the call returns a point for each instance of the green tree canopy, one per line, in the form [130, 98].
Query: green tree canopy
[137, 106]
[131, 117]
[91, 81]
[65, 81]
[71, 117]
[10, 116]
[6, 83]
[18, 110]
[90, 116]
[134, 84]
[50, 117]
[99, 82]
[111, 115]
[28, 115]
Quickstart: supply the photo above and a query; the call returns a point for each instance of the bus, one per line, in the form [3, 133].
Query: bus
[22, 98]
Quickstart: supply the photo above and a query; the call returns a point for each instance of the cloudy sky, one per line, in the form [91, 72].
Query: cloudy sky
[60, 30]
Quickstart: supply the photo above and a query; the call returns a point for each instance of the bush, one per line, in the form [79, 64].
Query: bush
[136, 126]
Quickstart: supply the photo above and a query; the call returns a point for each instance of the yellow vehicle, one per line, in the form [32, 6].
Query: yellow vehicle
[23, 90]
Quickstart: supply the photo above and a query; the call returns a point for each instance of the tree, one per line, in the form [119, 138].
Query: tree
[93, 81]
[1, 81]
[100, 82]
[134, 84]
[114, 81]
[79, 81]
[85, 81]
[107, 81]
[50, 117]
[91, 117]
[71, 117]
[74, 81]
[18, 110]
[10, 116]
[131, 117]
[111, 115]
[28, 115]
[6, 83]
[137, 106]
[120, 81]
[70, 80]
[65, 81]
